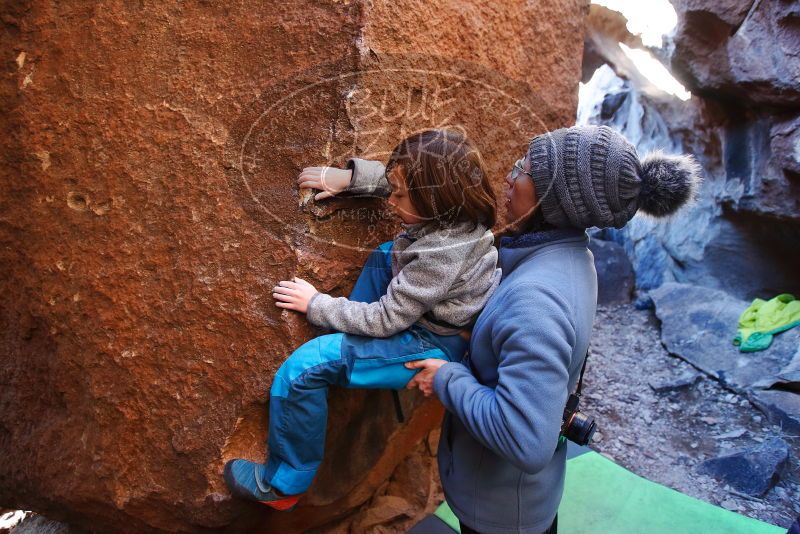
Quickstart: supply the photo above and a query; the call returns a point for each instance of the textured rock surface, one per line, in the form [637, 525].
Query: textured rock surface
[684, 381]
[702, 244]
[148, 207]
[785, 146]
[606, 29]
[699, 324]
[615, 280]
[760, 155]
[778, 396]
[411, 493]
[731, 12]
[739, 236]
[781, 407]
[748, 51]
[752, 471]
[740, 48]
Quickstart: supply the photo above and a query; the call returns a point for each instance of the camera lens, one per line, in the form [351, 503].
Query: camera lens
[580, 429]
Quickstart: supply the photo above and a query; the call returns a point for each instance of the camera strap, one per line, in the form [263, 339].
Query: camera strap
[580, 379]
[574, 398]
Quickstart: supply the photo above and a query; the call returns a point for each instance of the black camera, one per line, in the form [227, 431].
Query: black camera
[576, 426]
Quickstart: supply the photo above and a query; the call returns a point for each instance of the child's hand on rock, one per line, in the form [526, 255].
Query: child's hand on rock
[293, 294]
[329, 180]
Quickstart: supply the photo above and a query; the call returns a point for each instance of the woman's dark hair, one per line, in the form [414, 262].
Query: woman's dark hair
[535, 223]
[446, 177]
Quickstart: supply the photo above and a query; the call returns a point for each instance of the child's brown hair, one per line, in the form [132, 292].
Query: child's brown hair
[446, 177]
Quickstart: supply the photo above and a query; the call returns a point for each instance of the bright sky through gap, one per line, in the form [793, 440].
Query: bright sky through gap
[651, 19]
[656, 72]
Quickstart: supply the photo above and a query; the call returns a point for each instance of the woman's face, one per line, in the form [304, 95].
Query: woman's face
[521, 199]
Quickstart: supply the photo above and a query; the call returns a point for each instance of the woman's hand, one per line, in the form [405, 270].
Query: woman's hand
[424, 379]
[329, 180]
[293, 294]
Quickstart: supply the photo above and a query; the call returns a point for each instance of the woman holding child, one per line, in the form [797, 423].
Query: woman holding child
[501, 462]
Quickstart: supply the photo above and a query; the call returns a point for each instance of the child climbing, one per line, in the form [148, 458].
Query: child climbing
[413, 299]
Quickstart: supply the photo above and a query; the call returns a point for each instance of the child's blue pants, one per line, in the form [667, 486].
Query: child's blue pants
[298, 405]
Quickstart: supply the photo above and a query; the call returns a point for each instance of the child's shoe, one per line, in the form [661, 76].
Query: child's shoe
[245, 479]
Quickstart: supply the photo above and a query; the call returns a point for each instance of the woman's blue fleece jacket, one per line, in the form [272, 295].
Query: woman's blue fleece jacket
[499, 460]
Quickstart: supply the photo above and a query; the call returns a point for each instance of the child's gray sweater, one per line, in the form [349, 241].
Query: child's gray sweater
[442, 276]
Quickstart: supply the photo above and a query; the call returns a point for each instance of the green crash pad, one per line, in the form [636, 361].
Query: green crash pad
[601, 497]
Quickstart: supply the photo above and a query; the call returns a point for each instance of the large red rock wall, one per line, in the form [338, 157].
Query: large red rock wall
[148, 206]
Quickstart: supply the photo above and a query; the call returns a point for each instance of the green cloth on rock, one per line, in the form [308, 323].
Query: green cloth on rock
[765, 318]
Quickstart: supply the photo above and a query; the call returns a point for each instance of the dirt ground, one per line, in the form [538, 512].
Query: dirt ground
[665, 436]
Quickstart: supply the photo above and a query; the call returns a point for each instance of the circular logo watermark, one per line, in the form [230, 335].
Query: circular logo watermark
[327, 114]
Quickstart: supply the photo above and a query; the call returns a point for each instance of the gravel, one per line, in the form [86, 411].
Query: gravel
[664, 436]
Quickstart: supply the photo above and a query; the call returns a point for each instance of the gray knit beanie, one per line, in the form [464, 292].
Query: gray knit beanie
[591, 176]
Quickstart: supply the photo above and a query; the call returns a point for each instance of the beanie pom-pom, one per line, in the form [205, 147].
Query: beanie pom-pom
[668, 183]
